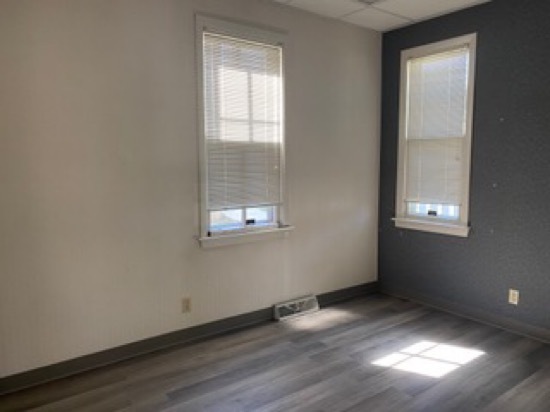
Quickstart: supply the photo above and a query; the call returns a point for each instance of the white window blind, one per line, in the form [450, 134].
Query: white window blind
[437, 97]
[242, 83]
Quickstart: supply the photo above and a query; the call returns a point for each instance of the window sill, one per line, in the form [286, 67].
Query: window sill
[246, 237]
[432, 227]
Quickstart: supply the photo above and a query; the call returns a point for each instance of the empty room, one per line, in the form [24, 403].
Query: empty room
[275, 205]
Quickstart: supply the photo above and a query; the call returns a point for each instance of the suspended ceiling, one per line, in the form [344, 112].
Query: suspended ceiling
[381, 15]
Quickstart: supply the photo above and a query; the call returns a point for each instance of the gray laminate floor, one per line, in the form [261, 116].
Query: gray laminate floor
[371, 354]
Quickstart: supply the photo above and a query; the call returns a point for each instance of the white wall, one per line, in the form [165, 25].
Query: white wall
[99, 174]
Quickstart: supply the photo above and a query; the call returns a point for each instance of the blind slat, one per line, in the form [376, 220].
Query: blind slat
[434, 171]
[437, 95]
[436, 126]
[243, 122]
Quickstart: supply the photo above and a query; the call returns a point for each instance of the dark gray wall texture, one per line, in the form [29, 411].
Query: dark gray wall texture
[509, 243]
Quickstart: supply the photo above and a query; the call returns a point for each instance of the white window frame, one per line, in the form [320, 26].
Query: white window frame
[435, 225]
[248, 233]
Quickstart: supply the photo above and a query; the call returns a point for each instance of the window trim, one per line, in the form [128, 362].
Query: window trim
[250, 33]
[403, 220]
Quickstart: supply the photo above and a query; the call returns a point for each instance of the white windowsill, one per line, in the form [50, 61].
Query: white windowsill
[433, 227]
[245, 237]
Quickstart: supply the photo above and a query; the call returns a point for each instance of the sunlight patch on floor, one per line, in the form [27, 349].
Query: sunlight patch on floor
[429, 358]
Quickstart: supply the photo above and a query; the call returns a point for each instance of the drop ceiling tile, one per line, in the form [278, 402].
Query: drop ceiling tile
[376, 19]
[330, 8]
[423, 9]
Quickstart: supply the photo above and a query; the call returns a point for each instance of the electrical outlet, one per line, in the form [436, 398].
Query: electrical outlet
[513, 296]
[186, 305]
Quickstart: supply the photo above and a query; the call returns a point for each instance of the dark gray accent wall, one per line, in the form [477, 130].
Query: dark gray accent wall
[509, 244]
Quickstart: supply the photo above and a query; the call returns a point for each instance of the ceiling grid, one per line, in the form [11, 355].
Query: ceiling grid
[381, 15]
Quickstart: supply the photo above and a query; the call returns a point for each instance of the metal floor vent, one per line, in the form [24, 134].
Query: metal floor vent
[295, 307]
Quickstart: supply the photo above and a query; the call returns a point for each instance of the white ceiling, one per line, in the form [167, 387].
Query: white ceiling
[381, 15]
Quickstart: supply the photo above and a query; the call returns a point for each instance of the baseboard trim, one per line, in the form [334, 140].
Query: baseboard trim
[500, 322]
[341, 295]
[85, 363]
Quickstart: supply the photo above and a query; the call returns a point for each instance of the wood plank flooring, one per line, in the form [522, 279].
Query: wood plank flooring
[321, 362]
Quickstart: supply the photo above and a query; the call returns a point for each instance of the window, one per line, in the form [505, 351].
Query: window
[435, 134]
[242, 151]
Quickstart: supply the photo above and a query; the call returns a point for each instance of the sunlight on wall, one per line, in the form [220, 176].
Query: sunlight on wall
[429, 358]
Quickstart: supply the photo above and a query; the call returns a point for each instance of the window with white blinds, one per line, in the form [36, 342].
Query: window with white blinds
[435, 133]
[242, 92]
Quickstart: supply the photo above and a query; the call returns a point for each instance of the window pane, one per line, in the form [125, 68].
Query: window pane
[260, 215]
[434, 210]
[266, 132]
[434, 171]
[437, 95]
[226, 220]
[234, 130]
[233, 91]
[266, 105]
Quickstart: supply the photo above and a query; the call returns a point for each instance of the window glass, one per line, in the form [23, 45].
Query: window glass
[221, 220]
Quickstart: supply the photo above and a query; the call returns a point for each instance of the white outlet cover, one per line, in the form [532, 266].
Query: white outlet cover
[513, 296]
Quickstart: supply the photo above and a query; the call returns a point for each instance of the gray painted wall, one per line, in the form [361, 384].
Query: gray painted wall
[99, 173]
[510, 189]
